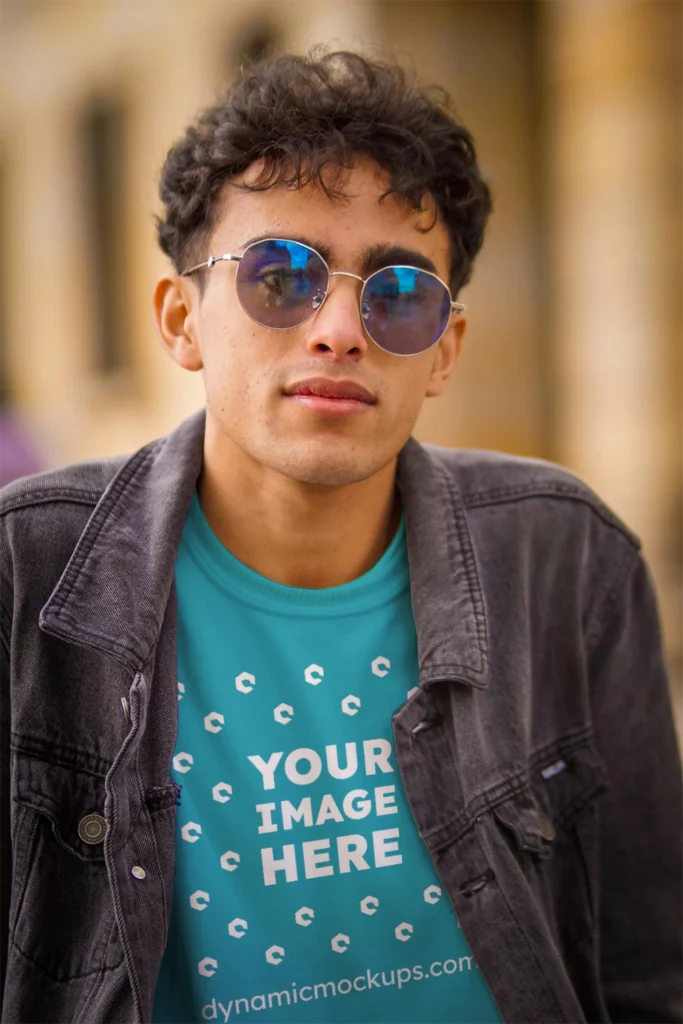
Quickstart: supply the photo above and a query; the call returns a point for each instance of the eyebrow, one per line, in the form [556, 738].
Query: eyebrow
[375, 257]
[372, 257]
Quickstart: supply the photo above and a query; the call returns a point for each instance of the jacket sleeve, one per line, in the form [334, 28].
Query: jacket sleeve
[640, 897]
[5, 840]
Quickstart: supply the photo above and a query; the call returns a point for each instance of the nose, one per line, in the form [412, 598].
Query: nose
[337, 326]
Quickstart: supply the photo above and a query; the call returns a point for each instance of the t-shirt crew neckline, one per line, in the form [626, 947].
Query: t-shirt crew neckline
[389, 576]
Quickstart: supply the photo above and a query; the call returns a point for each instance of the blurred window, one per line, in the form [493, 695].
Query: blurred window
[104, 138]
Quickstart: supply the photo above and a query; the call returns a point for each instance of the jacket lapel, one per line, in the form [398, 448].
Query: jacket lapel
[112, 596]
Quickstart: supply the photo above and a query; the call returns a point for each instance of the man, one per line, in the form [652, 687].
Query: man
[299, 715]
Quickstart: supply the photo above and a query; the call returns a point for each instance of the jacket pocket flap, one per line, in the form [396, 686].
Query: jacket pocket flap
[561, 787]
[566, 783]
[521, 815]
[66, 797]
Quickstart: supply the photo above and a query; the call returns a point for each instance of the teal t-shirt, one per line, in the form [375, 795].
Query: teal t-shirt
[302, 890]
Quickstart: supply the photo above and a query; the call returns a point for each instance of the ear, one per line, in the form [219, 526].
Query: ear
[176, 302]
[446, 357]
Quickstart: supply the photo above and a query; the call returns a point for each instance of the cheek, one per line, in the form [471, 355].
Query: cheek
[236, 371]
[227, 333]
[410, 389]
[223, 368]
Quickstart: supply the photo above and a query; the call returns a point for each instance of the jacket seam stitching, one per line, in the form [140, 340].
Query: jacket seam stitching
[513, 494]
[428, 673]
[22, 745]
[5, 633]
[111, 645]
[112, 806]
[515, 784]
[146, 810]
[45, 497]
[457, 827]
[581, 736]
[20, 890]
[53, 977]
[459, 521]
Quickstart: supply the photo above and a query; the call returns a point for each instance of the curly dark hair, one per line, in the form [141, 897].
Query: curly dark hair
[305, 118]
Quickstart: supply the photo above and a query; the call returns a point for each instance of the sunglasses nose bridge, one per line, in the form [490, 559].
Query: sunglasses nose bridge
[342, 328]
[330, 275]
[346, 273]
[355, 276]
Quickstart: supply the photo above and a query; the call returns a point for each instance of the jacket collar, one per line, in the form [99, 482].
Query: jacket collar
[113, 594]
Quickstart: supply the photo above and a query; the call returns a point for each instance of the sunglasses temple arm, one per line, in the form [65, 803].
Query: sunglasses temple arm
[210, 263]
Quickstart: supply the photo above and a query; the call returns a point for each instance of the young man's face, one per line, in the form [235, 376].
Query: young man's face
[248, 368]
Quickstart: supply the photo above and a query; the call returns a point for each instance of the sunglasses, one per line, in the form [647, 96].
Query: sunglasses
[281, 284]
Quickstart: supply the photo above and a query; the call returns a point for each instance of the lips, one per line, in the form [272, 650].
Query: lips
[321, 387]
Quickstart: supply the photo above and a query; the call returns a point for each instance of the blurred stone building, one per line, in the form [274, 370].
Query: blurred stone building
[573, 350]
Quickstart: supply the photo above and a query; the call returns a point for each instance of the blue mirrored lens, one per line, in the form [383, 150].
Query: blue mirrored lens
[405, 310]
[280, 284]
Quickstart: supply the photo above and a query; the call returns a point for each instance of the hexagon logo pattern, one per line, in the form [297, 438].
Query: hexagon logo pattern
[182, 762]
[275, 954]
[207, 967]
[230, 860]
[191, 832]
[284, 713]
[304, 916]
[380, 666]
[181, 690]
[199, 900]
[369, 905]
[350, 705]
[314, 674]
[214, 722]
[432, 894]
[340, 943]
[237, 927]
[245, 682]
[403, 931]
[222, 792]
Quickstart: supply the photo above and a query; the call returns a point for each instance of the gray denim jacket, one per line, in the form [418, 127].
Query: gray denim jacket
[538, 755]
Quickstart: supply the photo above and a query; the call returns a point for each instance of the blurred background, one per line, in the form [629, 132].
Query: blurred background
[573, 351]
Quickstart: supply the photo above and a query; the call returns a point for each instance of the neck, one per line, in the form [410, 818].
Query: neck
[298, 534]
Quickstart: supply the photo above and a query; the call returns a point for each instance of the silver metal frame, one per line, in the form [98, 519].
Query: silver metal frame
[456, 307]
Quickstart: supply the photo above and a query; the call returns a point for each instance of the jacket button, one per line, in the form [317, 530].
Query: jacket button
[92, 829]
[546, 827]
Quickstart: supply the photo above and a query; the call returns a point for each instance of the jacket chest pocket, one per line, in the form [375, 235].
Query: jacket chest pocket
[552, 828]
[61, 917]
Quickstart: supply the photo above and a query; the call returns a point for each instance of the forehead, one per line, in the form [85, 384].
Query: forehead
[347, 226]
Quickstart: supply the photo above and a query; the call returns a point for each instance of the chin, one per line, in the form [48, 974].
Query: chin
[327, 474]
[327, 468]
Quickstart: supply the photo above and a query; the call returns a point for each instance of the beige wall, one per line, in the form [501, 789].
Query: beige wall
[613, 72]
